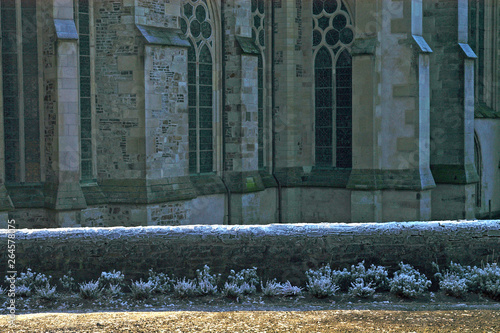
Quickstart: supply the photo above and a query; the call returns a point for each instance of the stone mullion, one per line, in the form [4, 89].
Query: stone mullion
[198, 154]
[496, 57]
[41, 108]
[20, 81]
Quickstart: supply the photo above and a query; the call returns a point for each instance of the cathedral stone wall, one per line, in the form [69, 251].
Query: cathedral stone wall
[120, 121]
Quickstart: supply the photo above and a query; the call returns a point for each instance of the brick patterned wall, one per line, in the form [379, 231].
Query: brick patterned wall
[49, 88]
[160, 13]
[166, 112]
[447, 129]
[120, 90]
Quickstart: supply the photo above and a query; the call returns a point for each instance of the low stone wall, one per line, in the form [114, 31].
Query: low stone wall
[283, 251]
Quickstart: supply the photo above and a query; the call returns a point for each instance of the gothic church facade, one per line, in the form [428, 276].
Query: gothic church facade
[172, 112]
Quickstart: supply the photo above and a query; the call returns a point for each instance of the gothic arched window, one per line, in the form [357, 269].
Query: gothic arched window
[197, 25]
[332, 37]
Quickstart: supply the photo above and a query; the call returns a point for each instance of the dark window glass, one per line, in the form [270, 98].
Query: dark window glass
[339, 22]
[85, 90]
[188, 10]
[30, 91]
[261, 6]
[260, 113]
[195, 28]
[317, 6]
[206, 30]
[330, 6]
[323, 107]
[323, 22]
[344, 110]
[200, 13]
[332, 37]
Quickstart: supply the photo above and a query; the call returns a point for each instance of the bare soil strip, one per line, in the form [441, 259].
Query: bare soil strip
[260, 321]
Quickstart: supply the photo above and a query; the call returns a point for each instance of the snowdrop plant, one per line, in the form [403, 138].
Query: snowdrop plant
[377, 276]
[89, 290]
[320, 283]
[484, 280]
[27, 282]
[453, 285]
[233, 290]
[142, 289]
[342, 278]
[163, 282]
[108, 278]
[23, 291]
[271, 288]
[114, 290]
[492, 289]
[246, 278]
[68, 282]
[454, 281]
[207, 283]
[46, 292]
[247, 288]
[288, 290]
[488, 280]
[360, 289]
[408, 282]
[185, 288]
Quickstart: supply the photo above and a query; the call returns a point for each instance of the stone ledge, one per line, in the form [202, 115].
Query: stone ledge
[207, 184]
[143, 191]
[244, 182]
[370, 179]
[93, 194]
[26, 195]
[63, 196]
[317, 177]
[267, 178]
